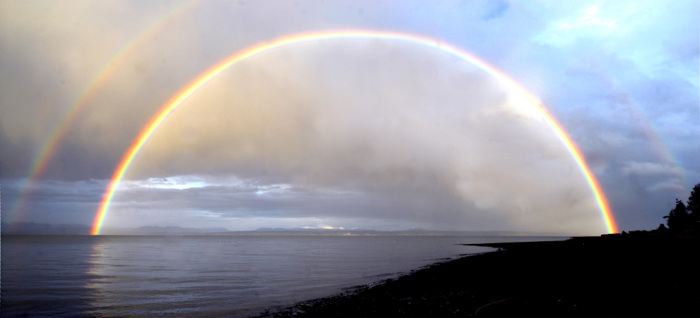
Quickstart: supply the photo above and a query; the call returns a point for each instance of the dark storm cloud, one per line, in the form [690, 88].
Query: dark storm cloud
[58, 202]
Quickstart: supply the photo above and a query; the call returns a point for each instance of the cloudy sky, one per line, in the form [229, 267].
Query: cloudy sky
[353, 133]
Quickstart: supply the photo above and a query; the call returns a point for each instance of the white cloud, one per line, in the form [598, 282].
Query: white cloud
[650, 169]
[585, 23]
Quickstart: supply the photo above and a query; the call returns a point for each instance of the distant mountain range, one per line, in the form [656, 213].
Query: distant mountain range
[31, 228]
[165, 230]
[407, 232]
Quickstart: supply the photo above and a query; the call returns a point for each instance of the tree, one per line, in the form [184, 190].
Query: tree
[694, 205]
[678, 219]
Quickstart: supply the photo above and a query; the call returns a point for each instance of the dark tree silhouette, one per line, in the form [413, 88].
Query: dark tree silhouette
[694, 206]
[678, 219]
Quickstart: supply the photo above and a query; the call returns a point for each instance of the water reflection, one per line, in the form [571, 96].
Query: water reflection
[45, 276]
[110, 276]
[241, 275]
[189, 276]
[97, 283]
[138, 275]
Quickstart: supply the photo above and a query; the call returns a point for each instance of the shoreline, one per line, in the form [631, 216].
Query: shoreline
[622, 275]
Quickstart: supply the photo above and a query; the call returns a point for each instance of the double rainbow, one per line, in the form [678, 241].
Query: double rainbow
[191, 88]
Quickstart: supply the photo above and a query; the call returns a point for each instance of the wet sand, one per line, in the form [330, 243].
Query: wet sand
[626, 275]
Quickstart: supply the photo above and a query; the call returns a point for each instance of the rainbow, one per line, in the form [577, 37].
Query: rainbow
[662, 149]
[187, 91]
[48, 148]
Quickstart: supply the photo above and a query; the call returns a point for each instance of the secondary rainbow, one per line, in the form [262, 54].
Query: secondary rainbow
[50, 145]
[176, 100]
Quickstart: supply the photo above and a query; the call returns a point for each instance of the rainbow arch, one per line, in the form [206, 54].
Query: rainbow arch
[193, 86]
[48, 148]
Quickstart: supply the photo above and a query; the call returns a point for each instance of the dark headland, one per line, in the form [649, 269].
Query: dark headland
[637, 274]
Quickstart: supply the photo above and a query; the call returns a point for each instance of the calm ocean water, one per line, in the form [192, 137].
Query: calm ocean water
[207, 276]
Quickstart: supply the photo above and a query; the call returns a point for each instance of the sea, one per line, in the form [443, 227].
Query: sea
[206, 275]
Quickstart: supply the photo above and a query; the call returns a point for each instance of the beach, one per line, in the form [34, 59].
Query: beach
[621, 275]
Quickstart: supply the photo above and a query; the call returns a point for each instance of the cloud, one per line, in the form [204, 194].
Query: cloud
[585, 23]
[650, 168]
[387, 130]
[497, 10]
[52, 201]
[411, 131]
[659, 176]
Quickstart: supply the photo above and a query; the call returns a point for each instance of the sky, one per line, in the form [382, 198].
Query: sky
[352, 133]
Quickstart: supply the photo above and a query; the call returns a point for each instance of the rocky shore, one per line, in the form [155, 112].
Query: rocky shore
[622, 275]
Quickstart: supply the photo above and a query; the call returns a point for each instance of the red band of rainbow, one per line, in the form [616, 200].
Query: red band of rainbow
[187, 91]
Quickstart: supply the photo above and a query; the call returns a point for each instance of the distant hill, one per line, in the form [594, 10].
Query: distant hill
[167, 230]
